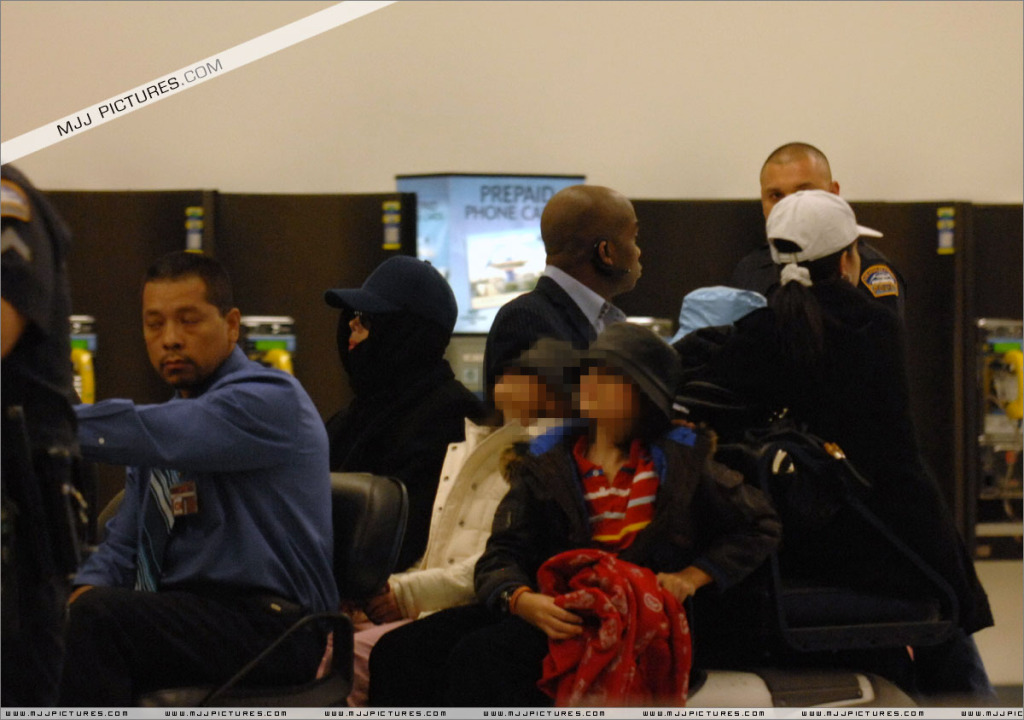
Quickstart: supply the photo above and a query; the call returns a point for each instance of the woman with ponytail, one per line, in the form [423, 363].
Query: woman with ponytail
[835, 362]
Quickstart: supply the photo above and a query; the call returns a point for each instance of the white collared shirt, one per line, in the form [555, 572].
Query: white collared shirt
[598, 311]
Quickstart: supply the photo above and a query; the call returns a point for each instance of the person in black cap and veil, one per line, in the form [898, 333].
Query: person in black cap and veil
[408, 406]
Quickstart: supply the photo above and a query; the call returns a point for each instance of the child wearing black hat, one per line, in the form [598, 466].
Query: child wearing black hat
[627, 483]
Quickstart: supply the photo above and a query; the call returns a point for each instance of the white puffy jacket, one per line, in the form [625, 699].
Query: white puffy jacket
[468, 493]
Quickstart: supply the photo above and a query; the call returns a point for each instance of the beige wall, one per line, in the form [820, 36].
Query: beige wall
[912, 101]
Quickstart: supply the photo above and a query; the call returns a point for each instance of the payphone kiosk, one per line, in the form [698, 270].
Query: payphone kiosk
[83, 351]
[1000, 362]
[269, 339]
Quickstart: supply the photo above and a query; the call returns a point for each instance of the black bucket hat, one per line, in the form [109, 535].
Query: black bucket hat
[555, 362]
[641, 356]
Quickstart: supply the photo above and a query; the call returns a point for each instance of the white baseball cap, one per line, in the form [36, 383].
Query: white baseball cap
[819, 222]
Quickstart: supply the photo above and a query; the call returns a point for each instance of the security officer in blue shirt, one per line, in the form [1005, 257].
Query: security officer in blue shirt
[224, 537]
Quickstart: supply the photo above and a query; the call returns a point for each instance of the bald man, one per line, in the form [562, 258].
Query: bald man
[799, 166]
[589, 235]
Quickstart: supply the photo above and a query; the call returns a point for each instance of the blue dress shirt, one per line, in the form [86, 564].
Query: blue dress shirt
[255, 447]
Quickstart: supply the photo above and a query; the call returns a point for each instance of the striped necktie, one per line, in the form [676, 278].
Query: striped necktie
[157, 521]
[609, 315]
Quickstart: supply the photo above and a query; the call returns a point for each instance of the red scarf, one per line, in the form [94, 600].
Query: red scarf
[638, 652]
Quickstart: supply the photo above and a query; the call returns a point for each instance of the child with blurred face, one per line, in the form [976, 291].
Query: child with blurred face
[624, 481]
[531, 396]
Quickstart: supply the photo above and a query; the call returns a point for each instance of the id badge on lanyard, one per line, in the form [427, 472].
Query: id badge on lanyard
[184, 499]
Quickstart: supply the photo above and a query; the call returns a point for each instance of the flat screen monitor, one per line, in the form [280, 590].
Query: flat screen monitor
[483, 233]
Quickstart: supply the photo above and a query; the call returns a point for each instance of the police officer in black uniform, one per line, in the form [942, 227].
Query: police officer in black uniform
[39, 548]
[799, 166]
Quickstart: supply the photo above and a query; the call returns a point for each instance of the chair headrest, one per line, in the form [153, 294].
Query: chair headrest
[369, 513]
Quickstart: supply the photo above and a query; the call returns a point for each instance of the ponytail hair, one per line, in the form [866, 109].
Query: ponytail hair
[799, 324]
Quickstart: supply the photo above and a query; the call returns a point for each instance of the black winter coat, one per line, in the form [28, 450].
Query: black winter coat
[704, 516]
[408, 409]
[859, 398]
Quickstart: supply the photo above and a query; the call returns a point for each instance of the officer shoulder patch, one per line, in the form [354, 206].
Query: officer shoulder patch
[880, 281]
[13, 202]
[11, 240]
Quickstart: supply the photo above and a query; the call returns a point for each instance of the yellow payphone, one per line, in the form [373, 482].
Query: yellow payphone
[1014, 363]
[999, 530]
[269, 339]
[83, 350]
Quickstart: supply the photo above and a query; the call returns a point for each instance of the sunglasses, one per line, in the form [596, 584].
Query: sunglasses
[365, 319]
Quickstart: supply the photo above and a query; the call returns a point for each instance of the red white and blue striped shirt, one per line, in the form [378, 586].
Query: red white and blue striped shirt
[620, 508]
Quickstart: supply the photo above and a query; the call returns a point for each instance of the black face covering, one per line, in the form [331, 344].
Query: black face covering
[390, 371]
[402, 349]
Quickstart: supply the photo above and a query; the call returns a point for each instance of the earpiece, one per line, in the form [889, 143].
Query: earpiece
[605, 267]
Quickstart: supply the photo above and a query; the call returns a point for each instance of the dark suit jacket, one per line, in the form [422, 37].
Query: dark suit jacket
[545, 311]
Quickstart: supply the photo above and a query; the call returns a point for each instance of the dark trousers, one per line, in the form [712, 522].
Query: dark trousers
[121, 643]
[409, 665]
[498, 666]
[31, 639]
[953, 670]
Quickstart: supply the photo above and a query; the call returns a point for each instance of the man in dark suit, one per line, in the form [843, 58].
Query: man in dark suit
[589, 235]
[798, 166]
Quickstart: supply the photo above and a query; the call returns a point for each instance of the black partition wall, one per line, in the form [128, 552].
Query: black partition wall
[994, 289]
[687, 244]
[283, 251]
[115, 237]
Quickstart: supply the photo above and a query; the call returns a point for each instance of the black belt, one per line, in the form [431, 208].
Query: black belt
[233, 594]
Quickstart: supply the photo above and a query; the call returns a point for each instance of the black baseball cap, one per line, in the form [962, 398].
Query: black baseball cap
[401, 283]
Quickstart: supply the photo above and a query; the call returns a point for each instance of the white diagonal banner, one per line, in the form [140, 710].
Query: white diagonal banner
[187, 77]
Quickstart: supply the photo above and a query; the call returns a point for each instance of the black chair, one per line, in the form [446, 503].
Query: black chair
[369, 514]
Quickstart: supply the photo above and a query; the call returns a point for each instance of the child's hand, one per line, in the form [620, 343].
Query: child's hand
[685, 583]
[383, 607]
[541, 611]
